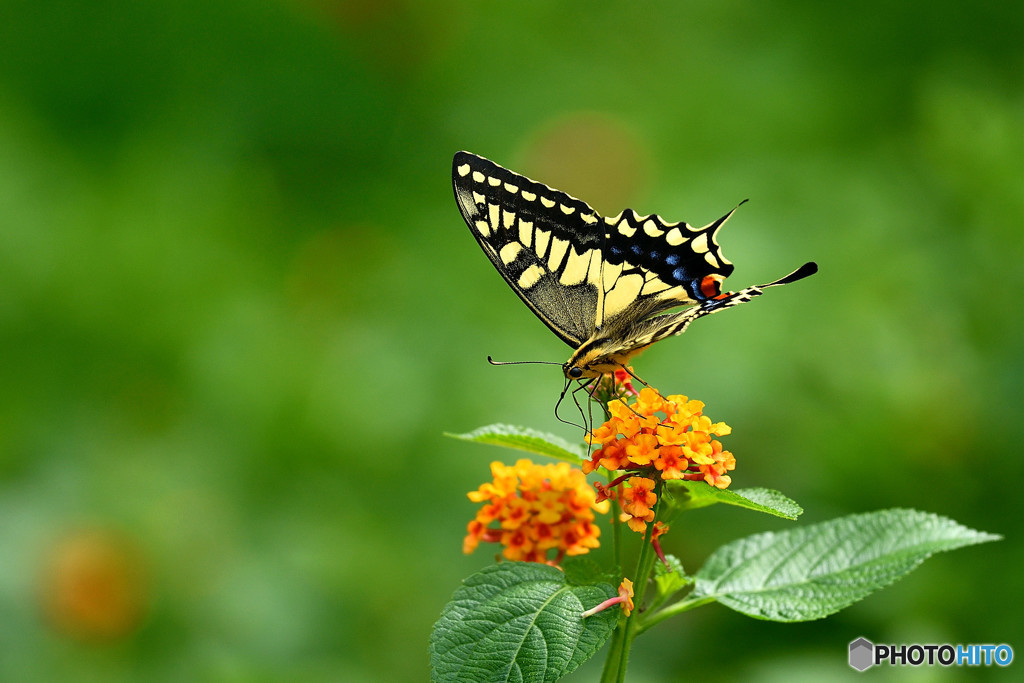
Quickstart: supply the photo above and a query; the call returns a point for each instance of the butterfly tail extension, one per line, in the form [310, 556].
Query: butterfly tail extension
[806, 270]
[671, 325]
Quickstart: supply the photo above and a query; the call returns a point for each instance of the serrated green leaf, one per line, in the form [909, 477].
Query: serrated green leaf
[812, 572]
[666, 582]
[518, 621]
[583, 570]
[525, 439]
[671, 580]
[690, 495]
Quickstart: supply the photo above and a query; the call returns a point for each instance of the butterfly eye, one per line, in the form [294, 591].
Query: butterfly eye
[576, 373]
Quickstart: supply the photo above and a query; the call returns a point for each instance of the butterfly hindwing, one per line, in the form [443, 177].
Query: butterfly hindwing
[545, 243]
[647, 331]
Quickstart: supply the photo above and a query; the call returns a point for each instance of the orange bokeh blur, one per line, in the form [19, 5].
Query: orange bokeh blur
[93, 586]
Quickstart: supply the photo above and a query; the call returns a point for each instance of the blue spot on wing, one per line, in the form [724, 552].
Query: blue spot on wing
[672, 259]
[679, 274]
[616, 251]
[636, 249]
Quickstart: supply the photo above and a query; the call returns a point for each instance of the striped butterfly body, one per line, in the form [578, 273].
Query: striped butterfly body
[605, 286]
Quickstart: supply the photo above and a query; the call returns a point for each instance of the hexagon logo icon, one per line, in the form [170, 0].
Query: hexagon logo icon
[862, 654]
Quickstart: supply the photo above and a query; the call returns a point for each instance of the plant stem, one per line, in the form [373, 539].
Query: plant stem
[616, 529]
[622, 639]
[611, 662]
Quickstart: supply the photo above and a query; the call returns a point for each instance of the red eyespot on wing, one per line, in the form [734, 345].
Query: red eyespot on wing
[710, 286]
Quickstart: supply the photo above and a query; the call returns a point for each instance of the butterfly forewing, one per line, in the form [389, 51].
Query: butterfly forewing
[657, 265]
[545, 243]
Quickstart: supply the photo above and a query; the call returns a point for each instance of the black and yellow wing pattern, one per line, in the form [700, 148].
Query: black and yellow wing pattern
[602, 284]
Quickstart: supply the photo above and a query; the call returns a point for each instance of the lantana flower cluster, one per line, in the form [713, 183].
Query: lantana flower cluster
[538, 509]
[658, 438]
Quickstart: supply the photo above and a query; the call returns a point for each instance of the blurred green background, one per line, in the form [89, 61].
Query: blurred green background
[238, 307]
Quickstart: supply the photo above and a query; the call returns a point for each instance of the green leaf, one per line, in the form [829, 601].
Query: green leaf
[583, 570]
[666, 582]
[669, 582]
[690, 495]
[518, 621]
[525, 439]
[812, 572]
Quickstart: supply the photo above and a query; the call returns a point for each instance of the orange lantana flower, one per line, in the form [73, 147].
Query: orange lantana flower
[658, 437]
[638, 502]
[538, 508]
[679, 444]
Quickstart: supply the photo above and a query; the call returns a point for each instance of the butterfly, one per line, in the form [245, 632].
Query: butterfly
[604, 285]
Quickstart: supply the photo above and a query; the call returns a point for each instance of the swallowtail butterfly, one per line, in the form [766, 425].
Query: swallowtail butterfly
[604, 286]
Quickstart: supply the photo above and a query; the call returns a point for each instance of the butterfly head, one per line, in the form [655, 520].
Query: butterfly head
[597, 357]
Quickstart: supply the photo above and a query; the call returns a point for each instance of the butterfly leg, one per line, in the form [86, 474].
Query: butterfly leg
[648, 386]
[588, 422]
[590, 416]
[561, 397]
[633, 375]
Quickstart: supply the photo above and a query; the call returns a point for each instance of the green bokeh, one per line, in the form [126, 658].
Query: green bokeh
[238, 307]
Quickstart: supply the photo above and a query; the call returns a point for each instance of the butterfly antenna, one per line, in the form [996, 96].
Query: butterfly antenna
[521, 362]
[542, 362]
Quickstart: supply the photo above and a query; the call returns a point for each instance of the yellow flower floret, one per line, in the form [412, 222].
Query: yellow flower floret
[626, 594]
[624, 598]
